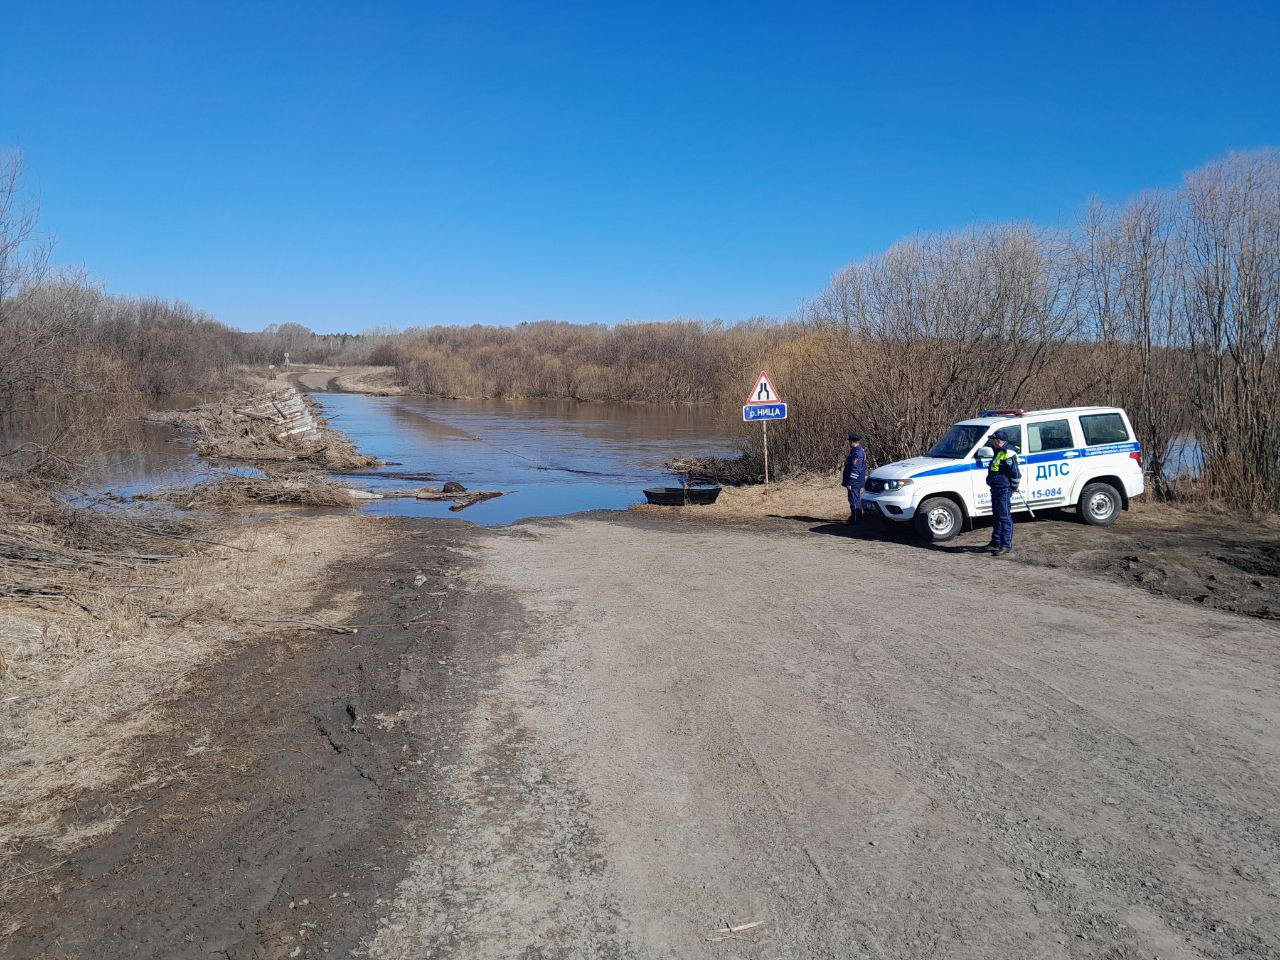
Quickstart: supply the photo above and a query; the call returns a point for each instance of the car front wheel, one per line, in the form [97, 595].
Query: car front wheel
[938, 519]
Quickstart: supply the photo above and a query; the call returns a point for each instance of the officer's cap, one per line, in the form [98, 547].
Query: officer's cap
[1001, 435]
[855, 436]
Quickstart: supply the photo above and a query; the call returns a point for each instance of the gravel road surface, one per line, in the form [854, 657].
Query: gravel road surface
[645, 736]
[857, 748]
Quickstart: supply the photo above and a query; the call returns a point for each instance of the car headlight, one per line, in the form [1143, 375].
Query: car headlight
[896, 484]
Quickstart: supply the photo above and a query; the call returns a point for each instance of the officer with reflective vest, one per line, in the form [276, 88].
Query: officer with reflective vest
[855, 476]
[1003, 477]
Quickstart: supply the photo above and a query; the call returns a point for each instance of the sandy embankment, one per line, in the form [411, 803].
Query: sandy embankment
[819, 497]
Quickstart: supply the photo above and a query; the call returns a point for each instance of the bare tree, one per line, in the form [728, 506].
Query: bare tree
[1231, 241]
[23, 264]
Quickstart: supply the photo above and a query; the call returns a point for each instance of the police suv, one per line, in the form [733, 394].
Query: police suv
[1086, 457]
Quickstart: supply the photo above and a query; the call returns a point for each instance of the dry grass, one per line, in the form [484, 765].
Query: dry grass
[819, 496]
[80, 689]
[65, 557]
[230, 493]
[737, 470]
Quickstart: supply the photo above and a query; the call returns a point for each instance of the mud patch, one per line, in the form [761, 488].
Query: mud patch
[1261, 559]
[275, 801]
[1243, 580]
[1196, 556]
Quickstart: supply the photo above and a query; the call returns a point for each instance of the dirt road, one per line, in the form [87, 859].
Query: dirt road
[876, 750]
[380, 381]
[620, 736]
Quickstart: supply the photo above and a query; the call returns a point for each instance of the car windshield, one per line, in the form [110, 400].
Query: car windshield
[958, 441]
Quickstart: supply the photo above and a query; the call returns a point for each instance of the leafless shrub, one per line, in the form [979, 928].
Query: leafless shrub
[73, 360]
[1231, 243]
[1133, 318]
[934, 329]
[680, 361]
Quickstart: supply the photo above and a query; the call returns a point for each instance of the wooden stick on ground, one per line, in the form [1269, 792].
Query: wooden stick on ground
[731, 932]
[302, 623]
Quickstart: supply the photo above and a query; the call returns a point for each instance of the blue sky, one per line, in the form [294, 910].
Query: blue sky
[345, 165]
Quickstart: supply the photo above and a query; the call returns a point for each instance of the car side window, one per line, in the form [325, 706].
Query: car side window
[1103, 428]
[1049, 435]
[1011, 430]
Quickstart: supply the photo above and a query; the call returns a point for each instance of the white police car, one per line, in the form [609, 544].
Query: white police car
[1086, 457]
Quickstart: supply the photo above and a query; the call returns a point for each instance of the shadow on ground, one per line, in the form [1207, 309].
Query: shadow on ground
[1207, 559]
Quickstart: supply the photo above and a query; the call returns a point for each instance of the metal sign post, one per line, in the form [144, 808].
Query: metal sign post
[764, 429]
[764, 404]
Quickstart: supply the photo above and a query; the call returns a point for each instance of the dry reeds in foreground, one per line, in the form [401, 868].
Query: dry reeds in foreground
[105, 618]
[60, 556]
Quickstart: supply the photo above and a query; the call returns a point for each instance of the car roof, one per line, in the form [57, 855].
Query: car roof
[1061, 411]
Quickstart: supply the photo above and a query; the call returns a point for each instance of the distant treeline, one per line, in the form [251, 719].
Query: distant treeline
[1168, 304]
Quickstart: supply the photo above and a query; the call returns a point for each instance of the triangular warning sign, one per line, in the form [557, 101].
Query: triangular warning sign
[763, 391]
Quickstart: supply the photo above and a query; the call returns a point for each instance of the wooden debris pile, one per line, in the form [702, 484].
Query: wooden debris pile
[460, 495]
[277, 426]
[461, 499]
[229, 493]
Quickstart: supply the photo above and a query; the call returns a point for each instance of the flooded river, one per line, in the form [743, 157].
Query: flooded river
[555, 457]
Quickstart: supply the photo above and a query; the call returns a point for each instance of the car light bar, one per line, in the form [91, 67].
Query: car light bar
[1001, 413]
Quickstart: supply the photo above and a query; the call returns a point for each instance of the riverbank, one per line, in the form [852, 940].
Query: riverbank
[90, 673]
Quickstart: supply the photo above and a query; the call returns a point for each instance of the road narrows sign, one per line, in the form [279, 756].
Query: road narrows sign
[763, 391]
[764, 404]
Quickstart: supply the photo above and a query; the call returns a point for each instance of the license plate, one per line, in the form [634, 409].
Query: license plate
[868, 505]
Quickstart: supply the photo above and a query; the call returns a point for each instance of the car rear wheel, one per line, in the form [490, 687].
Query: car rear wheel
[938, 519]
[1100, 504]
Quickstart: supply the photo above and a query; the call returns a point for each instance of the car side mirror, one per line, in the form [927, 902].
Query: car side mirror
[984, 453]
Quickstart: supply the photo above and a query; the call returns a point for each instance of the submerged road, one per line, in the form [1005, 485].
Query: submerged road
[690, 740]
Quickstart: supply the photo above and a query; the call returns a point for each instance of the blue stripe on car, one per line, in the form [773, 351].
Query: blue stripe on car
[1101, 450]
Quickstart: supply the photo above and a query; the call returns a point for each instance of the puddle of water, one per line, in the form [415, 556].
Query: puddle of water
[557, 457]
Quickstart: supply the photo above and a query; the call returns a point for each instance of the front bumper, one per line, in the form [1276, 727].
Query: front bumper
[891, 506]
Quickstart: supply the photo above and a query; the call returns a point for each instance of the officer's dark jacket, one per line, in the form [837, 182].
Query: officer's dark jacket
[855, 467]
[1003, 470]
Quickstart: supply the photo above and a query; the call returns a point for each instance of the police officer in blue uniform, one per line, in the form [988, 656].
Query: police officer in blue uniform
[1003, 477]
[855, 476]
